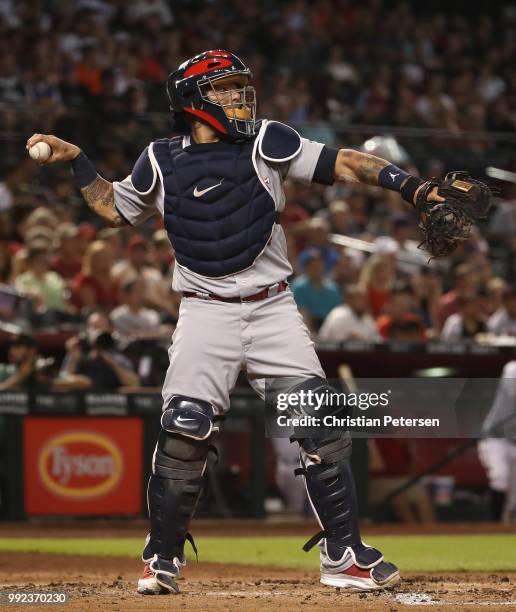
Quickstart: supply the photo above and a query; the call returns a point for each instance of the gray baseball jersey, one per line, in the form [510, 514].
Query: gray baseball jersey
[215, 340]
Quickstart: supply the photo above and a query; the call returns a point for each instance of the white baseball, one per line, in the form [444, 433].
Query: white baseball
[40, 151]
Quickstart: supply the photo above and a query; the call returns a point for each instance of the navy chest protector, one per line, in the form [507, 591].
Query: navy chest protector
[218, 215]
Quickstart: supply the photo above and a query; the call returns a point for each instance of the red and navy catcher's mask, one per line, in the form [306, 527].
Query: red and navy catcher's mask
[188, 88]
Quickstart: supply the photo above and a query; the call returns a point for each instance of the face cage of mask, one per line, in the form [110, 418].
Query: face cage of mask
[247, 100]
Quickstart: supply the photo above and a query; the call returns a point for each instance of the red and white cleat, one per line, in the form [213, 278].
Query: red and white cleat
[147, 584]
[382, 576]
[159, 576]
[356, 568]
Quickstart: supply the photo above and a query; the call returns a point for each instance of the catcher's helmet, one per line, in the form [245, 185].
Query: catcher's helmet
[190, 91]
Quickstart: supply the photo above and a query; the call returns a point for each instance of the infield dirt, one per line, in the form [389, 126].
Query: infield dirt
[108, 583]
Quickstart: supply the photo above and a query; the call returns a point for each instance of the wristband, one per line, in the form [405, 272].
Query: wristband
[83, 170]
[410, 187]
[391, 177]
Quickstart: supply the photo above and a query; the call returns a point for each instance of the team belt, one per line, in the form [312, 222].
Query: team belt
[261, 295]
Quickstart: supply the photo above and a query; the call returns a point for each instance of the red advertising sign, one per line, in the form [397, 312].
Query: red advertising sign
[82, 465]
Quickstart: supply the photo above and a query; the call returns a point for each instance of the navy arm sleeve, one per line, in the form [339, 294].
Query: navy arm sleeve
[324, 172]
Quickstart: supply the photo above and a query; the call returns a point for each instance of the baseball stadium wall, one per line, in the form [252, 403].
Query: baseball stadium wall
[89, 455]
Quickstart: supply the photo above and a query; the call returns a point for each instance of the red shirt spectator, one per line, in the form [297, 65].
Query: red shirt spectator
[376, 278]
[94, 287]
[377, 298]
[401, 323]
[68, 260]
[99, 295]
[465, 283]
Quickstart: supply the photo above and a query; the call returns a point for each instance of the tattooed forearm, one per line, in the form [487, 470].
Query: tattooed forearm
[355, 166]
[100, 197]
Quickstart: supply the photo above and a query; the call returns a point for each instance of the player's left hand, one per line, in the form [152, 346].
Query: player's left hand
[432, 195]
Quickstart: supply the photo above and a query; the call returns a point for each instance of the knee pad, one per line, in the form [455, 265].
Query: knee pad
[187, 434]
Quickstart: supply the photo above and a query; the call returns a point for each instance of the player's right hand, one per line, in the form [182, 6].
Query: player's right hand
[62, 151]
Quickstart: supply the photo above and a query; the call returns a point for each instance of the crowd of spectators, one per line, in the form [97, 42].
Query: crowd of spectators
[93, 72]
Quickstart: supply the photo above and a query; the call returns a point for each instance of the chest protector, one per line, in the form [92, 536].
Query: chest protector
[218, 215]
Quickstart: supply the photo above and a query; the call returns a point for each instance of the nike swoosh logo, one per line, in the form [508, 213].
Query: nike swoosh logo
[198, 193]
[393, 176]
[181, 419]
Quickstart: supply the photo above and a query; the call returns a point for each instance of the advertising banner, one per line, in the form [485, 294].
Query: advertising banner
[82, 465]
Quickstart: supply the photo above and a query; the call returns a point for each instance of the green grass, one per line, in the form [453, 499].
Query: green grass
[489, 553]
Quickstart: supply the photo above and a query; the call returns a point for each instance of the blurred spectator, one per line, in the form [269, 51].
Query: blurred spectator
[402, 229]
[94, 356]
[318, 238]
[28, 371]
[158, 292]
[45, 288]
[20, 371]
[162, 253]
[112, 236]
[496, 287]
[339, 217]
[400, 321]
[376, 278]
[390, 462]
[136, 262]
[140, 10]
[43, 236]
[67, 261]
[347, 268]
[436, 108]
[503, 221]
[350, 321]
[315, 294]
[465, 284]
[88, 70]
[467, 322]
[426, 285]
[94, 286]
[41, 217]
[132, 320]
[503, 321]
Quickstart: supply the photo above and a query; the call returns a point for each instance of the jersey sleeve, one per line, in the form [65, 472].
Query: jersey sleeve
[138, 196]
[315, 163]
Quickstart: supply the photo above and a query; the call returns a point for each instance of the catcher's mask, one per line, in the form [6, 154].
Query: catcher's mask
[212, 87]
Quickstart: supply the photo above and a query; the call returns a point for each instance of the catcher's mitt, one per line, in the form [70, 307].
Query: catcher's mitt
[445, 225]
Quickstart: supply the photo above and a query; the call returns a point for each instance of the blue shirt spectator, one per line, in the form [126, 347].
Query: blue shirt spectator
[315, 294]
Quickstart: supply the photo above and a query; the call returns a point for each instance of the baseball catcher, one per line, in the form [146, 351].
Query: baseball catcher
[219, 187]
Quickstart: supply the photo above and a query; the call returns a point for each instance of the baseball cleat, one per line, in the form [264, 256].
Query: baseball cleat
[357, 568]
[159, 577]
[382, 576]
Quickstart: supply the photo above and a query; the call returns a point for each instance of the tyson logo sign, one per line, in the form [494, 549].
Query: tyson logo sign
[80, 464]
